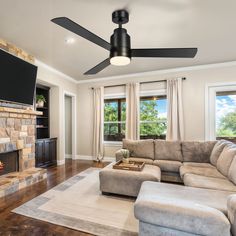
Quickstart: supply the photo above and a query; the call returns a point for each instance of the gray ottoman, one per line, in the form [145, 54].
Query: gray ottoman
[126, 182]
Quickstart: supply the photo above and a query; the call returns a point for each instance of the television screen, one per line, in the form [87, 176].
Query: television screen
[17, 79]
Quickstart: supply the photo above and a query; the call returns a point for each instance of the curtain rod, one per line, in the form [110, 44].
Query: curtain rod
[146, 82]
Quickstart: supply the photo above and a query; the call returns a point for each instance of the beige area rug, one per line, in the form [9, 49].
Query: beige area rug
[78, 204]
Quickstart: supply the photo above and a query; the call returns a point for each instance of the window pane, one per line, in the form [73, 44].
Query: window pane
[123, 111]
[114, 131]
[226, 114]
[111, 111]
[153, 116]
[114, 119]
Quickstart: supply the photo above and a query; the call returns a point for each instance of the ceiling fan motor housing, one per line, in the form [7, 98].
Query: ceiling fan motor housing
[120, 43]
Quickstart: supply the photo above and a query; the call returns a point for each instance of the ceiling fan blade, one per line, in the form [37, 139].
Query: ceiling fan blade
[81, 31]
[99, 67]
[165, 52]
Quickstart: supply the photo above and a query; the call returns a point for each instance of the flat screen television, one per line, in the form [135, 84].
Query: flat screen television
[17, 79]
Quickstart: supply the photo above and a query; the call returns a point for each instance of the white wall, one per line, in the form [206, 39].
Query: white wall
[193, 99]
[59, 83]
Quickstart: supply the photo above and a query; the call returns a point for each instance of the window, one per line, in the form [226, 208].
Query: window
[153, 117]
[226, 115]
[114, 119]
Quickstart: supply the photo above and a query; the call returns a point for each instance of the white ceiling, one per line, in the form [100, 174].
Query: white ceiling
[209, 25]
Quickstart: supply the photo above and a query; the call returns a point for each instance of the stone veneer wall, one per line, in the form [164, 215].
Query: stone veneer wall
[16, 51]
[17, 132]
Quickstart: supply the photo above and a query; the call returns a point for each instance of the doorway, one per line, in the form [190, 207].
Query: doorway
[69, 125]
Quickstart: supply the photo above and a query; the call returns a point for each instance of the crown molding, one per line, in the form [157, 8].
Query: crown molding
[160, 72]
[136, 75]
[55, 71]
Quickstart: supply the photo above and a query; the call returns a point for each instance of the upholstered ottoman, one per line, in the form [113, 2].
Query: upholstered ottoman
[126, 182]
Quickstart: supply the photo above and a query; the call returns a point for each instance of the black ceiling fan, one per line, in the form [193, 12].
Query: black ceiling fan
[119, 46]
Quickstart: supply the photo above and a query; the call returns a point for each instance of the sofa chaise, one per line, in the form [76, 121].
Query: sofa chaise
[205, 203]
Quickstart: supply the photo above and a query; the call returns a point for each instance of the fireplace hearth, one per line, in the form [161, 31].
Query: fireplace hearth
[10, 161]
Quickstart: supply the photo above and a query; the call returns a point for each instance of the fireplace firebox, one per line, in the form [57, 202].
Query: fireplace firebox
[10, 161]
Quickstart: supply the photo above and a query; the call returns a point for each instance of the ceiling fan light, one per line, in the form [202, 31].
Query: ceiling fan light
[120, 61]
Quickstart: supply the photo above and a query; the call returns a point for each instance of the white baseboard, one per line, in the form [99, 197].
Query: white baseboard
[83, 157]
[60, 162]
[109, 159]
[68, 156]
[90, 158]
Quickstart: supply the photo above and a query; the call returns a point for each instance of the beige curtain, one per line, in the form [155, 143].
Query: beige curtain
[132, 111]
[175, 127]
[98, 116]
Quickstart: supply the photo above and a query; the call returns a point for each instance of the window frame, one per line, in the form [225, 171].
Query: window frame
[143, 93]
[210, 106]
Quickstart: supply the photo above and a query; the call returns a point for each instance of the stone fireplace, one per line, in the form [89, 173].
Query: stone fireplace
[17, 149]
[17, 132]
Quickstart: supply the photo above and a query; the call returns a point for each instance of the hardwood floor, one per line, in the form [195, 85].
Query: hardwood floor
[12, 224]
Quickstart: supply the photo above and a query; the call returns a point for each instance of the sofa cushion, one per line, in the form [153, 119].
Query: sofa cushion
[140, 148]
[197, 164]
[225, 159]
[200, 181]
[171, 166]
[210, 172]
[195, 151]
[187, 209]
[232, 171]
[217, 150]
[168, 150]
[146, 160]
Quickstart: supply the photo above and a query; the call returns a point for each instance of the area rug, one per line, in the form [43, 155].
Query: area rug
[78, 204]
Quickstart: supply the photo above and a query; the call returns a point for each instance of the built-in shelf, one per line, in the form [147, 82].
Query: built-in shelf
[42, 121]
[45, 147]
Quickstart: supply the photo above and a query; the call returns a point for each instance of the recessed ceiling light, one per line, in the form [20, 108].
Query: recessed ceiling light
[69, 40]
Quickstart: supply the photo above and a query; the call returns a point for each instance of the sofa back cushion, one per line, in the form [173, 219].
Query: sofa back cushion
[217, 150]
[195, 151]
[225, 159]
[232, 171]
[167, 150]
[140, 148]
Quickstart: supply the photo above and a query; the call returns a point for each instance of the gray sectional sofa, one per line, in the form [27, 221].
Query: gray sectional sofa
[205, 204]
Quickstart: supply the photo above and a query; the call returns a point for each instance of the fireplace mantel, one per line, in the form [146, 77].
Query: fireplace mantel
[20, 111]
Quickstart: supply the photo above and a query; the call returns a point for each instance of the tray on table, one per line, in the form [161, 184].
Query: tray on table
[132, 165]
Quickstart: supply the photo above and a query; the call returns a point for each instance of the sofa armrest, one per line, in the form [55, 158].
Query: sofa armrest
[120, 154]
[231, 208]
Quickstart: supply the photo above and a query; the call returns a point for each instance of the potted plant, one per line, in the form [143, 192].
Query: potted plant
[125, 153]
[40, 100]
